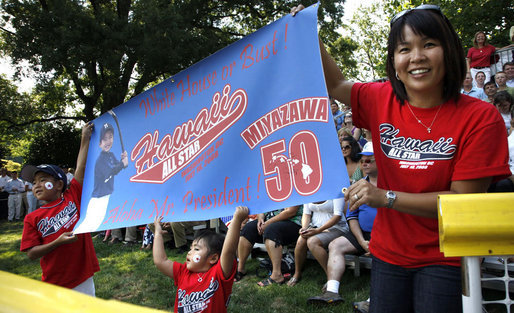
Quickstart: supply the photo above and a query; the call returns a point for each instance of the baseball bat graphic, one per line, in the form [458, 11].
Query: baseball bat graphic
[111, 112]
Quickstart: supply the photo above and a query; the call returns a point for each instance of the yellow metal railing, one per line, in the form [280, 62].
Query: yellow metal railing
[23, 295]
[472, 226]
[476, 224]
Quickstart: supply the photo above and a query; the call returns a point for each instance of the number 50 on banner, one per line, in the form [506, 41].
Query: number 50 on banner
[301, 168]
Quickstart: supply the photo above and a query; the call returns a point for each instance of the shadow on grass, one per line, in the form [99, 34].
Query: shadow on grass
[247, 296]
[128, 274]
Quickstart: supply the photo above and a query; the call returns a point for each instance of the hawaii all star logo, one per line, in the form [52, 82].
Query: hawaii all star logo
[157, 161]
[65, 218]
[412, 149]
[196, 301]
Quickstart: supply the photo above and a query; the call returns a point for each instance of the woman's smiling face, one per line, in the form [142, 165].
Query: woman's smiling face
[419, 63]
[346, 148]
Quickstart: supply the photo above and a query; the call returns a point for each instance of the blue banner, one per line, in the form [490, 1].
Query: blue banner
[249, 125]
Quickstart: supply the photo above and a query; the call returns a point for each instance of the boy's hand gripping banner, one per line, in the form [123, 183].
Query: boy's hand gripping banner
[249, 125]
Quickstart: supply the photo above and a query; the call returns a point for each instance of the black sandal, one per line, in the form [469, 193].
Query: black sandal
[239, 275]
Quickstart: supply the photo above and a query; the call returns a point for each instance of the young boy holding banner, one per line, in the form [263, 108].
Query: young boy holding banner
[67, 259]
[204, 282]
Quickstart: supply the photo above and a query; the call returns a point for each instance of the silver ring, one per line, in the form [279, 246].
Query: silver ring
[356, 196]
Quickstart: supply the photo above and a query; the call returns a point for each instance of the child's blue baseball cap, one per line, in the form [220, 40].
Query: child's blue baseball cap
[106, 128]
[29, 171]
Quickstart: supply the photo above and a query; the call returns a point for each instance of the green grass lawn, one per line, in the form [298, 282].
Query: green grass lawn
[128, 274]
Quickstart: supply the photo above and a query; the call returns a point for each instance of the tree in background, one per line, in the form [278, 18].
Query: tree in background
[23, 115]
[369, 29]
[12, 107]
[55, 143]
[494, 17]
[112, 50]
[90, 56]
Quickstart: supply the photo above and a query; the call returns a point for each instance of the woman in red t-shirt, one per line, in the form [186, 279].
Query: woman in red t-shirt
[479, 57]
[428, 140]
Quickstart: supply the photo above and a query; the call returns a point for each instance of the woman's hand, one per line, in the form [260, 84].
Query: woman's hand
[260, 223]
[263, 227]
[297, 9]
[365, 246]
[363, 192]
[308, 232]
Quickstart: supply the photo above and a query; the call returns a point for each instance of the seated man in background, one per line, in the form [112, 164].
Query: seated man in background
[354, 242]
[178, 232]
[490, 90]
[337, 114]
[470, 90]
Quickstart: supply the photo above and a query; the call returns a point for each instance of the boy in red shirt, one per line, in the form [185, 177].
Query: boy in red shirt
[67, 260]
[204, 282]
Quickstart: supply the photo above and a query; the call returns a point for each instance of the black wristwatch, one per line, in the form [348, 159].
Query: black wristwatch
[391, 197]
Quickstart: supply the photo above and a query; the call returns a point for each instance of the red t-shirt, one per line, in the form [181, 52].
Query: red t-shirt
[468, 141]
[70, 264]
[211, 294]
[480, 57]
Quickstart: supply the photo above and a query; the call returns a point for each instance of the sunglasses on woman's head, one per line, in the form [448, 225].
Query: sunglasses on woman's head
[346, 147]
[432, 7]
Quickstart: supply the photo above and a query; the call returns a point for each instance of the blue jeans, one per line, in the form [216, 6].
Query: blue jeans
[429, 289]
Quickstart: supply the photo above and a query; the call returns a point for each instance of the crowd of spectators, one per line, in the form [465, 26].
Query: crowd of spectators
[16, 197]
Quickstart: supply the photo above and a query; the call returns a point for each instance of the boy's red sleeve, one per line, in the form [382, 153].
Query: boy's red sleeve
[30, 237]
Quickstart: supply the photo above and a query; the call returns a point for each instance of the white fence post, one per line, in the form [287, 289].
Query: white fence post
[471, 285]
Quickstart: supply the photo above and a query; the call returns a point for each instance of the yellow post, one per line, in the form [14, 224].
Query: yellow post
[23, 295]
[473, 225]
[476, 224]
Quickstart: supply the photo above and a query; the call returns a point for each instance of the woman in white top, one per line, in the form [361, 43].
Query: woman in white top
[322, 222]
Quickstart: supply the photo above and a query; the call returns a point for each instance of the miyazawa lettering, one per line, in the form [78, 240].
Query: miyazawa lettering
[175, 151]
[300, 110]
[412, 149]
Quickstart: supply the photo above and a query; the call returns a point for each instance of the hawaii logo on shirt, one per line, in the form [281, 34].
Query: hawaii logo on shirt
[196, 301]
[64, 218]
[412, 149]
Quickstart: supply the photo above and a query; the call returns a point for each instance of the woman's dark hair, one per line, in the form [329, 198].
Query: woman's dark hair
[502, 96]
[356, 149]
[213, 241]
[431, 24]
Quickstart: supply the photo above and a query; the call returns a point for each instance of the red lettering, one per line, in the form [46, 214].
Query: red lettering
[247, 56]
[187, 202]
[277, 123]
[307, 110]
[230, 196]
[148, 108]
[274, 39]
[158, 104]
[148, 146]
[165, 208]
[225, 110]
[322, 111]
